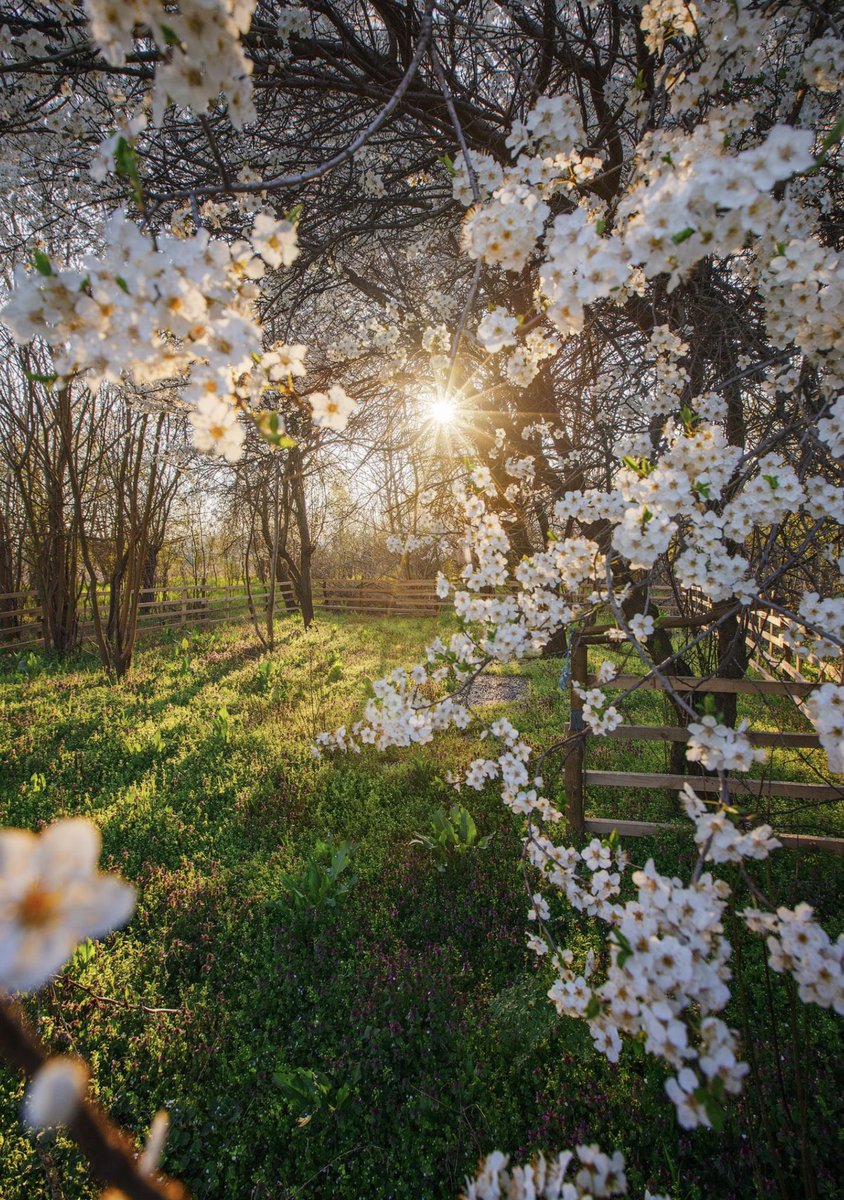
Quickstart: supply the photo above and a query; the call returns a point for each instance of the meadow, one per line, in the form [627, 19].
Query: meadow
[329, 1001]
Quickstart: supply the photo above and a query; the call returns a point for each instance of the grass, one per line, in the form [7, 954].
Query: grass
[377, 1045]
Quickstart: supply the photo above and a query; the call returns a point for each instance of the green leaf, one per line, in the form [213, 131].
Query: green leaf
[593, 1009]
[41, 263]
[641, 466]
[269, 425]
[171, 38]
[124, 159]
[772, 480]
[835, 135]
[122, 284]
[126, 166]
[448, 162]
[682, 236]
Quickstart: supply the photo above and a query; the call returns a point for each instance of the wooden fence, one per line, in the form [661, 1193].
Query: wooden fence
[20, 620]
[578, 777]
[162, 608]
[775, 652]
[198, 604]
[380, 597]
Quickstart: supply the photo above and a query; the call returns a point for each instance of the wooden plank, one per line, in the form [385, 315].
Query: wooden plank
[33, 624]
[375, 610]
[145, 629]
[30, 595]
[791, 841]
[163, 602]
[691, 683]
[676, 733]
[709, 783]
[380, 598]
[374, 607]
[13, 647]
[573, 773]
[410, 584]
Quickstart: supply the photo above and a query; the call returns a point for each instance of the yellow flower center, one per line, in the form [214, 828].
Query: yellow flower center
[38, 906]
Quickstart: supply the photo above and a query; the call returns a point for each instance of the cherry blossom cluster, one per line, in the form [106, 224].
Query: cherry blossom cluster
[823, 63]
[293, 21]
[497, 330]
[692, 195]
[662, 19]
[798, 946]
[601, 716]
[547, 151]
[201, 43]
[719, 838]
[172, 308]
[520, 367]
[582, 1174]
[721, 748]
[505, 232]
[825, 709]
[823, 632]
[667, 970]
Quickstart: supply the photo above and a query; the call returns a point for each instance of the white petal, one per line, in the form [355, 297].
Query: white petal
[54, 1093]
[40, 957]
[68, 849]
[16, 850]
[106, 903]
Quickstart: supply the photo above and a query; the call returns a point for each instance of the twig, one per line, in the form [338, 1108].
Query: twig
[112, 1155]
[124, 1003]
[337, 160]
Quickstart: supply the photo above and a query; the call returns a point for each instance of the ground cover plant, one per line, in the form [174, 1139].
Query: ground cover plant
[372, 1034]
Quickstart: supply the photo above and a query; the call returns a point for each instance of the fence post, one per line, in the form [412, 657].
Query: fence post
[573, 772]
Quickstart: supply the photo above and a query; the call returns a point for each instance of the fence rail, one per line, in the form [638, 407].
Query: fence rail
[777, 653]
[22, 616]
[22, 627]
[380, 597]
[21, 613]
[578, 777]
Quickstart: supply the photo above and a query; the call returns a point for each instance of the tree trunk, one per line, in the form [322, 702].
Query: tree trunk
[304, 584]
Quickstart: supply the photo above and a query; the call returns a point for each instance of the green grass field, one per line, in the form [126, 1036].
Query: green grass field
[377, 1045]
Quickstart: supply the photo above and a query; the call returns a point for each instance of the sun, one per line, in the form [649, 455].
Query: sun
[441, 410]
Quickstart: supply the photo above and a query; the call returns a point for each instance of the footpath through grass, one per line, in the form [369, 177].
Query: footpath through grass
[374, 1047]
